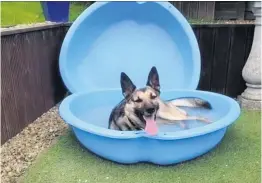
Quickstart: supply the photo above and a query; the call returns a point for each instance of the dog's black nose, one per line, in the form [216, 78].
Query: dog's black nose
[150, 110]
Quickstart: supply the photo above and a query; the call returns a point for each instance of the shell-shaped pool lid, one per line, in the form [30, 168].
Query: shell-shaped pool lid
[113, 37]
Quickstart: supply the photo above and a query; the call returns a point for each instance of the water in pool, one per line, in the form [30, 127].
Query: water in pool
[100, 117]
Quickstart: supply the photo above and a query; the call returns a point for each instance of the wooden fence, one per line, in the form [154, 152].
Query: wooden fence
[30, 79]
[196, 9]
[230, 10]
[31, 83]
[208, 10]
[224, 51]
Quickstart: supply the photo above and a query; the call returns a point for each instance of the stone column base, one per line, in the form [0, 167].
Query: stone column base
[249, 104]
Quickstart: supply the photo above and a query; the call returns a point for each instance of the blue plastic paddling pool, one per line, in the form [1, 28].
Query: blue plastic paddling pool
[113, 37]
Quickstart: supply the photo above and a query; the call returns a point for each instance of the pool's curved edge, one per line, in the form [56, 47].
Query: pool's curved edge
[67, 39]
[191, 38]
[130, 152]
[233, 114]
[70, 119]
[168, 6]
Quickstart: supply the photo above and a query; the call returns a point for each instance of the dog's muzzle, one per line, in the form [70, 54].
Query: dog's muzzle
[150, 110]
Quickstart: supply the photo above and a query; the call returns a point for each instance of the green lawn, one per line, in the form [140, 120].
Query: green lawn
[13, 13]
[235, 160]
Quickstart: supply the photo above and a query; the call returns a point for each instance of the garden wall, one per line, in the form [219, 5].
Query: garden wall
[31, 84]
[30, 77]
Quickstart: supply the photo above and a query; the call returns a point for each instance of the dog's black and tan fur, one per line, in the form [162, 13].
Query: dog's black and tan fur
[139, 104]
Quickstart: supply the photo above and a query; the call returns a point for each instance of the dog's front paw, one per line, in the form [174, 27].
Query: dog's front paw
[206, 120]
[183, 125]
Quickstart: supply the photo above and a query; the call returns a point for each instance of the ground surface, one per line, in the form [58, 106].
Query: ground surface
[235, 160]
[18, 153]
[13, 13]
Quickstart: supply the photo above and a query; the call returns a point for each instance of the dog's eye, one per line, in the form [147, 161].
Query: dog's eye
[138, 100]
[153, 96]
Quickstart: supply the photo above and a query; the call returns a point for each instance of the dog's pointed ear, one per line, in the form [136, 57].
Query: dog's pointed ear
[153, 79]
[127, 85]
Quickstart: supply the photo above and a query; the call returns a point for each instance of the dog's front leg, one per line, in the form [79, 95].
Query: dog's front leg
[175, 116]
[183, 118]
[182, 124]
[198, 118]
[170, 112]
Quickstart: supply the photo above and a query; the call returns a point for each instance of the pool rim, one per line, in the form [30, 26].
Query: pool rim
[231, 116]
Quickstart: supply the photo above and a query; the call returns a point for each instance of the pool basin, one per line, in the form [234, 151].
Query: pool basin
[87, 113]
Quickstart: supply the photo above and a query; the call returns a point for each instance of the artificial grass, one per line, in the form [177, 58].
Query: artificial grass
[13, 13]
[236, 159]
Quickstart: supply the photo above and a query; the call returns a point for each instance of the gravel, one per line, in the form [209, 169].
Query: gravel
[18, 153]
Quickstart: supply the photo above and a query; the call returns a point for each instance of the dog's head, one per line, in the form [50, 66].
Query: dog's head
[144, 101]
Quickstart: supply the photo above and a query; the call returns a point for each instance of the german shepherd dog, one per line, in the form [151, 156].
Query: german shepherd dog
[142, 109]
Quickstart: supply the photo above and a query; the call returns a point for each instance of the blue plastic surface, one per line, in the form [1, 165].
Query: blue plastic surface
[88, 114]
[111, 37]
[56, 11]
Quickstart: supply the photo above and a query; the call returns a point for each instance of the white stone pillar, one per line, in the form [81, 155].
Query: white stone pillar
[251, 97]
